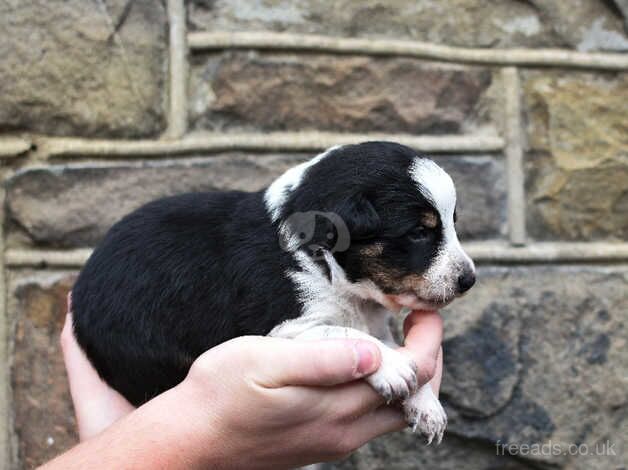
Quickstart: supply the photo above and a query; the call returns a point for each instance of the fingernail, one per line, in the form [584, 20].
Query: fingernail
[367, 358]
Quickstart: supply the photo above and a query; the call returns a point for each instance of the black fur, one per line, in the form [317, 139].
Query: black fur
[183, 274]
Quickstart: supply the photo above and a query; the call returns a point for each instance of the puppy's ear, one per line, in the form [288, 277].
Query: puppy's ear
[360, 217]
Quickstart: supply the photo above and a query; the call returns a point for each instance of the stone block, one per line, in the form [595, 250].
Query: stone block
[577, 161]
[250, 91]
[44, 420]
[583, 25]
[83, 68]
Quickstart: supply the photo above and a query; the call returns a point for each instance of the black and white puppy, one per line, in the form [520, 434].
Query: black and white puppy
[329, 250]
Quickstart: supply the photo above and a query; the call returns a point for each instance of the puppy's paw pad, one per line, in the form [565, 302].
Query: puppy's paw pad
[395, 379]
[425, 413]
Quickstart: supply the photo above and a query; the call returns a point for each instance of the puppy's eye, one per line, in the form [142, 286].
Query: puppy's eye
[418, 233]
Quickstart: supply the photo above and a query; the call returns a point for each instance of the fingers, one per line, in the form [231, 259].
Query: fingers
[423, 336]
[381, 421]
[83, 379]
[282, 362]
[96, 405]
[353, 400]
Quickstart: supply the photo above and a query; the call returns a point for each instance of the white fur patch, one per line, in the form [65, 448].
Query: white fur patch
[325, 301]
[438, 188]
[425, 413]
[277, 193]
[336, 301]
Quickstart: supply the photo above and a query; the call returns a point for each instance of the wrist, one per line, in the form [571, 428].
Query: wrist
[189, 431]
[166, 432]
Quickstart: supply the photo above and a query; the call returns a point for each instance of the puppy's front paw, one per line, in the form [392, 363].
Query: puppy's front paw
[396, 377]
[424, 412]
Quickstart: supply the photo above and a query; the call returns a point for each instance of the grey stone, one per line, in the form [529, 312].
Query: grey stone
[551, 361]
[585, 25]
[483, 362]
[407, 451]
[481, 194]
[622, 6]
[74, 205]
[336, 93]
[91, 68]
[582, 24]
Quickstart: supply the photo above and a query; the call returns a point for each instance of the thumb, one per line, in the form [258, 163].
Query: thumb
[316, 363]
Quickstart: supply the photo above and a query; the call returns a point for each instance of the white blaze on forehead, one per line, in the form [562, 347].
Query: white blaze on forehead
[277, 193]
[451, 260]
[436, 186]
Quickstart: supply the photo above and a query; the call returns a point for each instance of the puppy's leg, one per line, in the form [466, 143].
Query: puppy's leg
[424, 412]
[422, 409]
[396, 377]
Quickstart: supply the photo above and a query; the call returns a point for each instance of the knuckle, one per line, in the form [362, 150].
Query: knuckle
[203, 367]
[240, 355]
[197, 368]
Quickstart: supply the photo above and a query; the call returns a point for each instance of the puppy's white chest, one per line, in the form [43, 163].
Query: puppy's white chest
[377, 321]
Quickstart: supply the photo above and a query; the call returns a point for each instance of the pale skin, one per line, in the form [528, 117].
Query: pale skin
[252, 402]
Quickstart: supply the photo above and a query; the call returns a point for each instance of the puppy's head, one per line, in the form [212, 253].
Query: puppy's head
[386, 214]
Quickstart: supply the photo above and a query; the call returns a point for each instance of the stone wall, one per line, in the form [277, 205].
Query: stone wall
[106, 104]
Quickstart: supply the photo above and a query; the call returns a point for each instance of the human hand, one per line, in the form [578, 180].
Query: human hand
[423, 332]
[276, 407]
[96, 405]
[281, 403]
[285, 403]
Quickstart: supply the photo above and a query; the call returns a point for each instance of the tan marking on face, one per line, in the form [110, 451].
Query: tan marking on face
[385, 277]
[372, 251]
[412, 283]
[387, 280]
[429, 219]
[390, 280]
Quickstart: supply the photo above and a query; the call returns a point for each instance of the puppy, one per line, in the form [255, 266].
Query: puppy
[329, 250]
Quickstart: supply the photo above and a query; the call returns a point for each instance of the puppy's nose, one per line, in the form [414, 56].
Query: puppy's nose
[466, 281]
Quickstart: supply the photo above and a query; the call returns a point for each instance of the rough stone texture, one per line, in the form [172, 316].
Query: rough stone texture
[586, 25]
[43, 414]
[74, 205]
[580, 24]
[532, 356]
[336, 93]
[577, 163]
[83, 67]
[622, 6]
[406, 451]
[481, 192]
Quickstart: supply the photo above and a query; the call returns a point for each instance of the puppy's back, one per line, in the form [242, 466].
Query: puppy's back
[165, 284]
